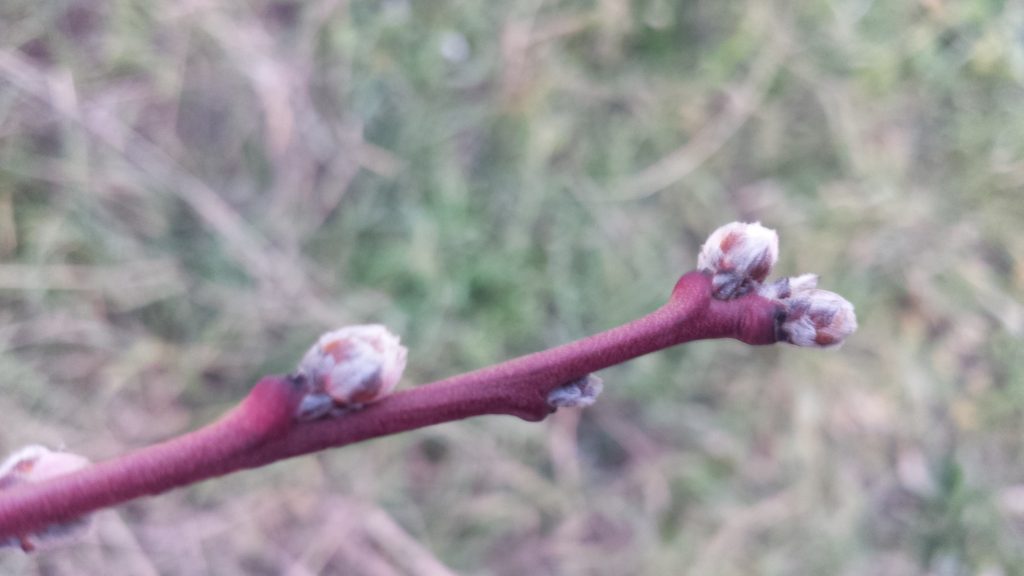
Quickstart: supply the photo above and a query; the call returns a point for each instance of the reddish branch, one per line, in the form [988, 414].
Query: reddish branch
[262, 429]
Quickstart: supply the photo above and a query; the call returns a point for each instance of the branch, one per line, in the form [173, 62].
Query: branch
[724, 300]
[520, 387]
[29, 507]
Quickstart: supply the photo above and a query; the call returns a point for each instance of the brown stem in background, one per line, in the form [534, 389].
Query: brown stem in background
[263, 430]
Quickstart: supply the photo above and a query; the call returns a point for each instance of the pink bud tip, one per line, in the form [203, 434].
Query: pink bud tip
[35, 464]
[818, 318]
[739, 256]
[354, 365]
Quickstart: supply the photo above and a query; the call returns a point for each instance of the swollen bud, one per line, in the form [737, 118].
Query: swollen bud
[351, 367]
[817, 318]
[738, 256]
[34, 464]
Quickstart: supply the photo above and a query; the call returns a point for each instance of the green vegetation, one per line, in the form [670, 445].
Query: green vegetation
[190, 192]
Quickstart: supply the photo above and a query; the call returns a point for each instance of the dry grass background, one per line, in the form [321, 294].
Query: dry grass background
[191, 191]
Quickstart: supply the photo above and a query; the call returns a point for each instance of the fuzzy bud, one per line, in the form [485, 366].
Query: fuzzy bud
[351, 366]
[787, 287]
[739, 256]
[35, 464]
[817, 318]
[578, 393]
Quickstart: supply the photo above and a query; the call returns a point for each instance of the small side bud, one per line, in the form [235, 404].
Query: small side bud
[817, 318]
[581, 392]
[352, 366]
[786, 287]
[35, 464]
[739, 256]
[315, 405]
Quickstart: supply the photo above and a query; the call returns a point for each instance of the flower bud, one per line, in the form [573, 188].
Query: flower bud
[817, 318]
[352, 366]
[739, 256]
[35, 464]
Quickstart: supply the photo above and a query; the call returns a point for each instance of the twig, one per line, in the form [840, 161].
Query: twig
[267, 412]
[261, 430]
[44, 495]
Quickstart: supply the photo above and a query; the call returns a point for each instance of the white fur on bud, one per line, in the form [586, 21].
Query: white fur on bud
[35, 464]
[581, 392]
[739, 256]
[818, 318]
[787, 287]
[351, 366]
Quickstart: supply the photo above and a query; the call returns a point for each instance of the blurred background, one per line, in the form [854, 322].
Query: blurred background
[190, 192]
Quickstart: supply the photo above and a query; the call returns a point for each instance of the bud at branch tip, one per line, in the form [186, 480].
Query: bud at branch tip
[738, 256]
[817, 318]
